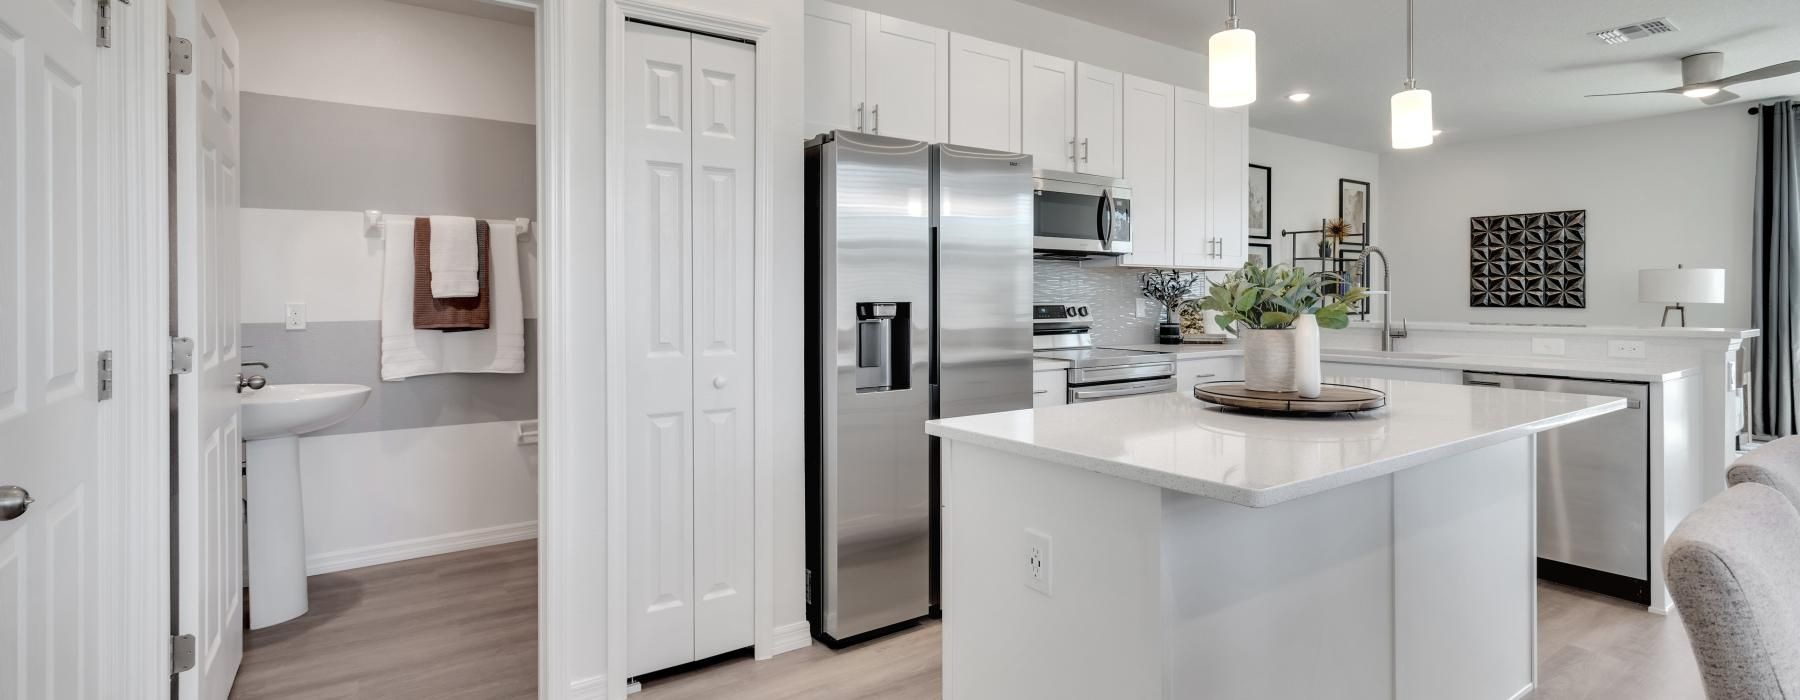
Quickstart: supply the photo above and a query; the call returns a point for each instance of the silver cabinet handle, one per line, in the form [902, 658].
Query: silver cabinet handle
[1041, 391]
[1084, 150]
[859, 115]
[1205, 376]
[1071, 150]
[13, 502]
[877, 113]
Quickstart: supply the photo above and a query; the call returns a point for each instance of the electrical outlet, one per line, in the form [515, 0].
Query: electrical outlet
[1625, 349]
[1547, 346]
[1143, 308]
[1037, 561]
[296, 316]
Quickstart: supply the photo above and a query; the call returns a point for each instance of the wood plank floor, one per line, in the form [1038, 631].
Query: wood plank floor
[464, 626]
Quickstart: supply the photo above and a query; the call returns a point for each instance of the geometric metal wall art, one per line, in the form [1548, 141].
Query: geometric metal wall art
[1529, 260]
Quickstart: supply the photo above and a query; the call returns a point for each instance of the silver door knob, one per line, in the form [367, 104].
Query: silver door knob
[718, 382]
[13, 502]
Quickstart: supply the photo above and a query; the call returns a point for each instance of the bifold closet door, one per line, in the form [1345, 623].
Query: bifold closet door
[689, 215]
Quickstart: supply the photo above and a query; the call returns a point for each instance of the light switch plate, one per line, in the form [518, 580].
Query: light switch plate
[1625, 349]
[1037, 561]
[296, 316]
[1547, 346]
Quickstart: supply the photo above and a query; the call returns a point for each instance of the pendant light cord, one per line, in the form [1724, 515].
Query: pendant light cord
[1234, 18]
[1411, 82]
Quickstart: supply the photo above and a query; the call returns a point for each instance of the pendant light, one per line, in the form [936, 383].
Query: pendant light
[1412, 106]
[1231, 65]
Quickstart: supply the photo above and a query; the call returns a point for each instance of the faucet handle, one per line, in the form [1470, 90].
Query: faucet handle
[1402, 333]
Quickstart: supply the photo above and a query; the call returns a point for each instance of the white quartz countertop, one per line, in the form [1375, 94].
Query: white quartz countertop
[1176, 442]
[1617, 370]
[1043, 364]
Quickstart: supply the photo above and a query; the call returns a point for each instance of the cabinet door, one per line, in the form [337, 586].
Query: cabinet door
[1099, 98]
[835, 37]
[1048, 123]
[908, 79]
[984, 94]
[1148, 151]
[1230, 180]
[1193, 227]
[1049, 388]
[723, 264]
[659, 389]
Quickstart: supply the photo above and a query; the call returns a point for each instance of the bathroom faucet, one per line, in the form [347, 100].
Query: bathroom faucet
[1388, 334]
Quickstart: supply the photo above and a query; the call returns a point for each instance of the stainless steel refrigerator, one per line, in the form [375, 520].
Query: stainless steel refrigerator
[918, 298]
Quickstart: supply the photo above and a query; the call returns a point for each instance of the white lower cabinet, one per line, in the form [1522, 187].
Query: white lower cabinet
[1349, 370]
[689, 167]
[1049, 388]
[1189, 372]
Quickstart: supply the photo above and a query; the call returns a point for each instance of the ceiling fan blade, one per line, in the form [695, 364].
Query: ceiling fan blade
[1763, 73]
[1640, 92]
[1719, 98]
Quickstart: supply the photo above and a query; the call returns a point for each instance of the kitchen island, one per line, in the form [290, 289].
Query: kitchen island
[1159, 547]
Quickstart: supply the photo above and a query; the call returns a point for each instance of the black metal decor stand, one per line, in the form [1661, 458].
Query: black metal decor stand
[1340, 263]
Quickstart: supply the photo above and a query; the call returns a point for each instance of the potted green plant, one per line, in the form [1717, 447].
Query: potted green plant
[1264, 304]
[1171, 289]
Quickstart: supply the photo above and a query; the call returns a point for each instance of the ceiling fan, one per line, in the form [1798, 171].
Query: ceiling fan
[1703, 78]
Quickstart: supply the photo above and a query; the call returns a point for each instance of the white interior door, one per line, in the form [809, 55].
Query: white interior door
[908, 79]
[208, 442]
[1048, 126]
[724, 374]
[48, 345]
[834, 68]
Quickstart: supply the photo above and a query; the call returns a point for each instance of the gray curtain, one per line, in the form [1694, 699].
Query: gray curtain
[1776, 310]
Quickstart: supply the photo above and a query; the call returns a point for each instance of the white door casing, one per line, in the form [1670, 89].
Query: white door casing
[984, 94]
[835, 51]
[907, 79]
[689, 179]
[208, 441]
[1099, 100]
[1047, 91]
[49, 611]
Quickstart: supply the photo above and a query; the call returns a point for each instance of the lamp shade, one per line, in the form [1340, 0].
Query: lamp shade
[1231, 68]
[1412, 118]
[1682, 285]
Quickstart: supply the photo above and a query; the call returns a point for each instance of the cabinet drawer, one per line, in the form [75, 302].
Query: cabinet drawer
[1209, 369]
[1049, 388]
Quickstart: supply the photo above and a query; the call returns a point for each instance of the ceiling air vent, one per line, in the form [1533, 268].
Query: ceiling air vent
[1640, 30]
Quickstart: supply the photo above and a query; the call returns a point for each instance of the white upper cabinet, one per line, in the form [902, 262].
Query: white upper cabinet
[835, 36]
[1148, 151]
[1193, 237]
[1048, 89]
[907, 79]
[1099, 101]
[985, 96]
[1229, 185]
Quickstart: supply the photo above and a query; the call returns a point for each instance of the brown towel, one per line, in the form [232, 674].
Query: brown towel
[449, 315]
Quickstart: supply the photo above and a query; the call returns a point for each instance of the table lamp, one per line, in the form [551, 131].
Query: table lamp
[1681, 285]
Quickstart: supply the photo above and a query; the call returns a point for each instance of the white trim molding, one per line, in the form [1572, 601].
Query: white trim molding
[358, 557]
[792, 636]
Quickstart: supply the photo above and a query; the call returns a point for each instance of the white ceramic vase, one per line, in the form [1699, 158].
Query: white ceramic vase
[1268, 359]
[1306, 356]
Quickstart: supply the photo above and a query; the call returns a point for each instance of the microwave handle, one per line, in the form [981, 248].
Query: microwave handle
[1106, 219]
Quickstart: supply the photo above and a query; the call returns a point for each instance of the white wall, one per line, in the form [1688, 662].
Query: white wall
[1304, 184]
[1658, 191]
[384, 54]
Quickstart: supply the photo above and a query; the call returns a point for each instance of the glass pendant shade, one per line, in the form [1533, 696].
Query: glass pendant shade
[1412, 118]
[1231, 68]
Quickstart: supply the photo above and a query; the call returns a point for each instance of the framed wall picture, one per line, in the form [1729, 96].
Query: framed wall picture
[1262, 254]
[1354, 203]
[1262, 190]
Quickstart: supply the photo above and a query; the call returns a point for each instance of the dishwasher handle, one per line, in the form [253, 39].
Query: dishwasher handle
[1481, 379]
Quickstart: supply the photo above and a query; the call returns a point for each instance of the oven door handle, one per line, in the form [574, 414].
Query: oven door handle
[1114, 391]
[1090, 375]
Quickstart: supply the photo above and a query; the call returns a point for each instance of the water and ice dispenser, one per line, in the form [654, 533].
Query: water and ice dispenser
[883, 344]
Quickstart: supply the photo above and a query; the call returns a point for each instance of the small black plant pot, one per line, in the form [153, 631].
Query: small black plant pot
[1168, 333]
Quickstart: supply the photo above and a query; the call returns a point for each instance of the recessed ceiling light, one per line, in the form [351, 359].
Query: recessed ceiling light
[1299, 97]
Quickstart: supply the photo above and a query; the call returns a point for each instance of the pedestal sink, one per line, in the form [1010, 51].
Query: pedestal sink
[274, 418]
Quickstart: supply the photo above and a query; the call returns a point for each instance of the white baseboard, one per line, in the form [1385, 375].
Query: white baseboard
[359, 557]
[792, 636]
[590, 688]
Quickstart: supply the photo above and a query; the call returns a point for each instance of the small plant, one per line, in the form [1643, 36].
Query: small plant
[1171, 288]
[1335, 230]
[1270, 298]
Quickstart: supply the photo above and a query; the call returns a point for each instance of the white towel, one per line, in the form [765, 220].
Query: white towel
[455, 258]
[409, 352]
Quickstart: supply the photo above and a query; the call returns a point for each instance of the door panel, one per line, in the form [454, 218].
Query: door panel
[1099, 94]
[1149, 166]
[1229, 147]
[1192, 223]
[659, 174]
[48, 324]
[208, 443]
[984, 94]
[908, 73]
[835, 48]
[1047, 90]
[724, 375]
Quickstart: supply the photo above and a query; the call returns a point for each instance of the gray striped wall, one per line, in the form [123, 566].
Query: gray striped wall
[328, 156]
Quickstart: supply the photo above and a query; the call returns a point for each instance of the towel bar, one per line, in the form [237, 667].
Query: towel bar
[373, 218]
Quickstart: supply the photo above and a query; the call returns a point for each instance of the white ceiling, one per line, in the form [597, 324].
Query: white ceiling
[1494, 67]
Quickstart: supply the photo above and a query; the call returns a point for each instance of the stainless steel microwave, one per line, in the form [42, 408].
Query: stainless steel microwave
[1076, 213]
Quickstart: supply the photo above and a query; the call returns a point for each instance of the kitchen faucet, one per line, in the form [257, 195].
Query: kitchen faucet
[1388, 334]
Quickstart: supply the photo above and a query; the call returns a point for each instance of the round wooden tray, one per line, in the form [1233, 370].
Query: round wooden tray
[1333, 398]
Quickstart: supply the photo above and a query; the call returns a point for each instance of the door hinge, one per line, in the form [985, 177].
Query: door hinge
[105, 375]
[103, 22]
[181, 56]
[181, 654]
[181, 355]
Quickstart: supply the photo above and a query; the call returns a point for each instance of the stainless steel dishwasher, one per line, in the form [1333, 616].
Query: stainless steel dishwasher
[1593, 489]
